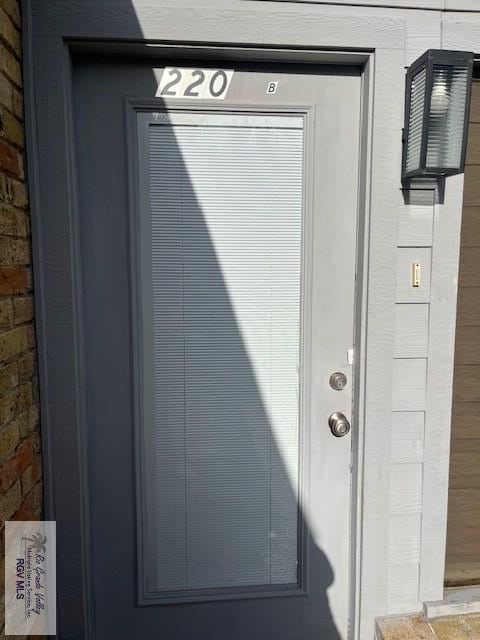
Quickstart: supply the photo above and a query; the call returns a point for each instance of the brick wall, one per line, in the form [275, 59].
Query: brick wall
[20, 463]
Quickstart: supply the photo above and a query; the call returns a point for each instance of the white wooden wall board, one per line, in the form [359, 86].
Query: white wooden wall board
[435, 5]
[422, 25]
[406, 451]
[411, 330]
[409, 384]
[461, 31]
[288, 24]
[415, 226]
[461, 5]
[405, 506]
[446, 242]
[391, 4]
[408, 424]
[423, 32]
[404, 545]
[385, 196]
[408, 433]
[406, 488]
[402, 583]
[406, 256]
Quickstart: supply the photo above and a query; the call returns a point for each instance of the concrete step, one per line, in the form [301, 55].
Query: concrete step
[457, 627]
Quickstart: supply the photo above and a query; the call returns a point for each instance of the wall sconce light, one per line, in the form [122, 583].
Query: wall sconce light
[437, 105]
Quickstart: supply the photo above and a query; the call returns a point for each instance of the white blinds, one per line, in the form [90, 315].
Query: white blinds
[226, 201]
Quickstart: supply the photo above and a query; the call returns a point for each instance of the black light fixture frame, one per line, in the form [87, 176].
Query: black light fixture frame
[428, 60]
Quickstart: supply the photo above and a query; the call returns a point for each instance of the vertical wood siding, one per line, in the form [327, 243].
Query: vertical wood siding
[463, 542]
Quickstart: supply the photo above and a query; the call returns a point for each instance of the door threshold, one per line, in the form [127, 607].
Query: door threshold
[457, 600]
[467, 593]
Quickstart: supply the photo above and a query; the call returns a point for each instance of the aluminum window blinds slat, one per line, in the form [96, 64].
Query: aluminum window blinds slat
[415, 123]
[226, 234]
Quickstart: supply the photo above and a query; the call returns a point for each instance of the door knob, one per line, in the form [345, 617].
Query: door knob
[339, 424]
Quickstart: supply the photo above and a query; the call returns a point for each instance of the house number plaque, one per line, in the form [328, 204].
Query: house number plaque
[200, 84]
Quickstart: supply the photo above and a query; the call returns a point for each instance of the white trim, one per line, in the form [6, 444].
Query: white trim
[413, 5]
[436, 5]
[259, 121]
[291, 25]
[462, 5]
[445, 257]
[386, 202]
[458, 601]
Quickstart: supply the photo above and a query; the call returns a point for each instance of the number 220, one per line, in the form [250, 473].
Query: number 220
[194, 83]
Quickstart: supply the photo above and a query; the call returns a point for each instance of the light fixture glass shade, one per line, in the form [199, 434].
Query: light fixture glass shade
[415, 120]
[436, 115]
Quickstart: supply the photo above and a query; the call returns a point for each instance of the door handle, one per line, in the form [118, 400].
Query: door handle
[339, 424]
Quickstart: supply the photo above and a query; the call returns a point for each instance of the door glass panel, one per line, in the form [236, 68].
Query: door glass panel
[221, 247]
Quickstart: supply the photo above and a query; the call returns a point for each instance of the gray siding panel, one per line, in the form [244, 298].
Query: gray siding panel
[415, 226]
[408, 432]
[403, 581]
[411, 330]
[405, 539]
[412, 316]
[406, 489]
[409, 384]
[407, 256]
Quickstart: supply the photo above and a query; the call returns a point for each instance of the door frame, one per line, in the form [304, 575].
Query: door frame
[51, 37]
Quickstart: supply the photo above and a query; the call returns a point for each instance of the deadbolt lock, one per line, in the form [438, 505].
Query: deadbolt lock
[339, 424]
[338, 380]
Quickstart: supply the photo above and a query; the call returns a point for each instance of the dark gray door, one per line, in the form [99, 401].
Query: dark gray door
[218, 226]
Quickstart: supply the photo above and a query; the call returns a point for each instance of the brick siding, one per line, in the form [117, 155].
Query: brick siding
[20, 462]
